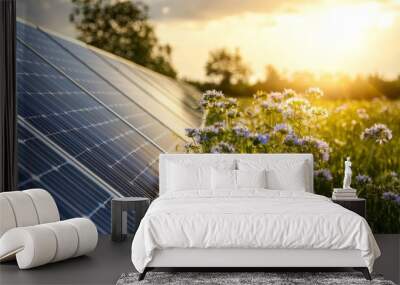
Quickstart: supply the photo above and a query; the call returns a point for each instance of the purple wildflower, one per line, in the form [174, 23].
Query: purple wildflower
[263, 139]
[270, 105]
[387, 195]
[324, 173]
[223, 147]
[232, 101]
[363, 179]
[390, 196]
[287, 112]
[314, 91]
[215, 129]
[232, 113]
[241, 131]
[378, 132]
[190, 146]
[288, 93]
[212, 94]
[362, 114]
[292, 139]
[192, 132]
[220, 104]
[283, 128]
[322, 146]
[275, 96]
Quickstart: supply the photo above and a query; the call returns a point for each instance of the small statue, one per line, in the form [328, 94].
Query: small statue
[347, 174]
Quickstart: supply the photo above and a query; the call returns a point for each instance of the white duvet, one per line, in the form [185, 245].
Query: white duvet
[250, 218]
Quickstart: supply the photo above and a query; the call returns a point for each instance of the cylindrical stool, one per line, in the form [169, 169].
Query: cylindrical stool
[119, 215]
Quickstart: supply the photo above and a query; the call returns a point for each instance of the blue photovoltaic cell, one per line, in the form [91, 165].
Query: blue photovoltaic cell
[41, 167]
[93, 82]
[80, 126]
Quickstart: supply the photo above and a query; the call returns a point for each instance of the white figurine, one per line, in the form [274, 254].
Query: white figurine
[347, 174]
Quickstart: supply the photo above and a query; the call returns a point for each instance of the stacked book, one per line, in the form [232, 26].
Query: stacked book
[343, 194]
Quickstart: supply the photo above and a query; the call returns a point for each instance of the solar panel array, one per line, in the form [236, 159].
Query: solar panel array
[91, 126]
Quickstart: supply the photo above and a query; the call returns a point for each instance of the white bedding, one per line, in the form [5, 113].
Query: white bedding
[252, 218]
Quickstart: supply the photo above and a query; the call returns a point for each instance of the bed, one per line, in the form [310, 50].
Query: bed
[246, 211]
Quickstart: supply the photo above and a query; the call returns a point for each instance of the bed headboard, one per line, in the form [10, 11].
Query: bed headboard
[210, 158]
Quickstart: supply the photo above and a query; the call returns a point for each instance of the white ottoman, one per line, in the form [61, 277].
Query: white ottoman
[33, 243]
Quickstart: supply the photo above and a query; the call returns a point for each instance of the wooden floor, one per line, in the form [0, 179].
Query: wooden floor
[111, 259]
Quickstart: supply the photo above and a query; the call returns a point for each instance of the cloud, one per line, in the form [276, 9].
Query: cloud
[209, 10]
[203, 10]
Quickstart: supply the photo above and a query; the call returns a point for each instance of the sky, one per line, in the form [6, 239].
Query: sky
[356, 37]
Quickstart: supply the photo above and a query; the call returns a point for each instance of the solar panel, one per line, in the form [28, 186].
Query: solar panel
[135, 85]
[87, 132]
[102, 82]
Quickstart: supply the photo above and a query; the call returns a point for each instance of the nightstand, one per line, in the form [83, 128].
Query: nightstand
[119, 215]
[357, 205]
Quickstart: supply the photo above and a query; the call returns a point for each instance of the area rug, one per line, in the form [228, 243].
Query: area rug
[244, 278]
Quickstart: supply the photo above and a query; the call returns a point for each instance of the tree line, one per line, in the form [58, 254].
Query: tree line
[122, 28]
[227, 71]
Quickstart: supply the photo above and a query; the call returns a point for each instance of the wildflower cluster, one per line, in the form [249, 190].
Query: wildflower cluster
[316, 146]
[391, 197]
[363, 179]
[293, 122]
[323, 173]
[276, 122]
[223, 147]
[379, 133]
[217, 107]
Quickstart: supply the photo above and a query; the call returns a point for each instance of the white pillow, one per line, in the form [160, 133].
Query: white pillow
[285, 174]
[290, 177]
[223, 179]
[251, 178]
[183, 177]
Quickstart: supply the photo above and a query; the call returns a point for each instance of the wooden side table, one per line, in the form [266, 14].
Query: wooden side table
[357, 205]
[119, 215]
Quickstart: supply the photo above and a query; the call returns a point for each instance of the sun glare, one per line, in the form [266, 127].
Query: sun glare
[346, 27]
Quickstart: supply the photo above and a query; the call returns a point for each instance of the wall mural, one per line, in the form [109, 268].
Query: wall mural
[95, 113]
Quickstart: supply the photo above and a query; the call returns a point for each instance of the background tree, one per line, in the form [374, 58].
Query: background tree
[122, 28]
[227, 68]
